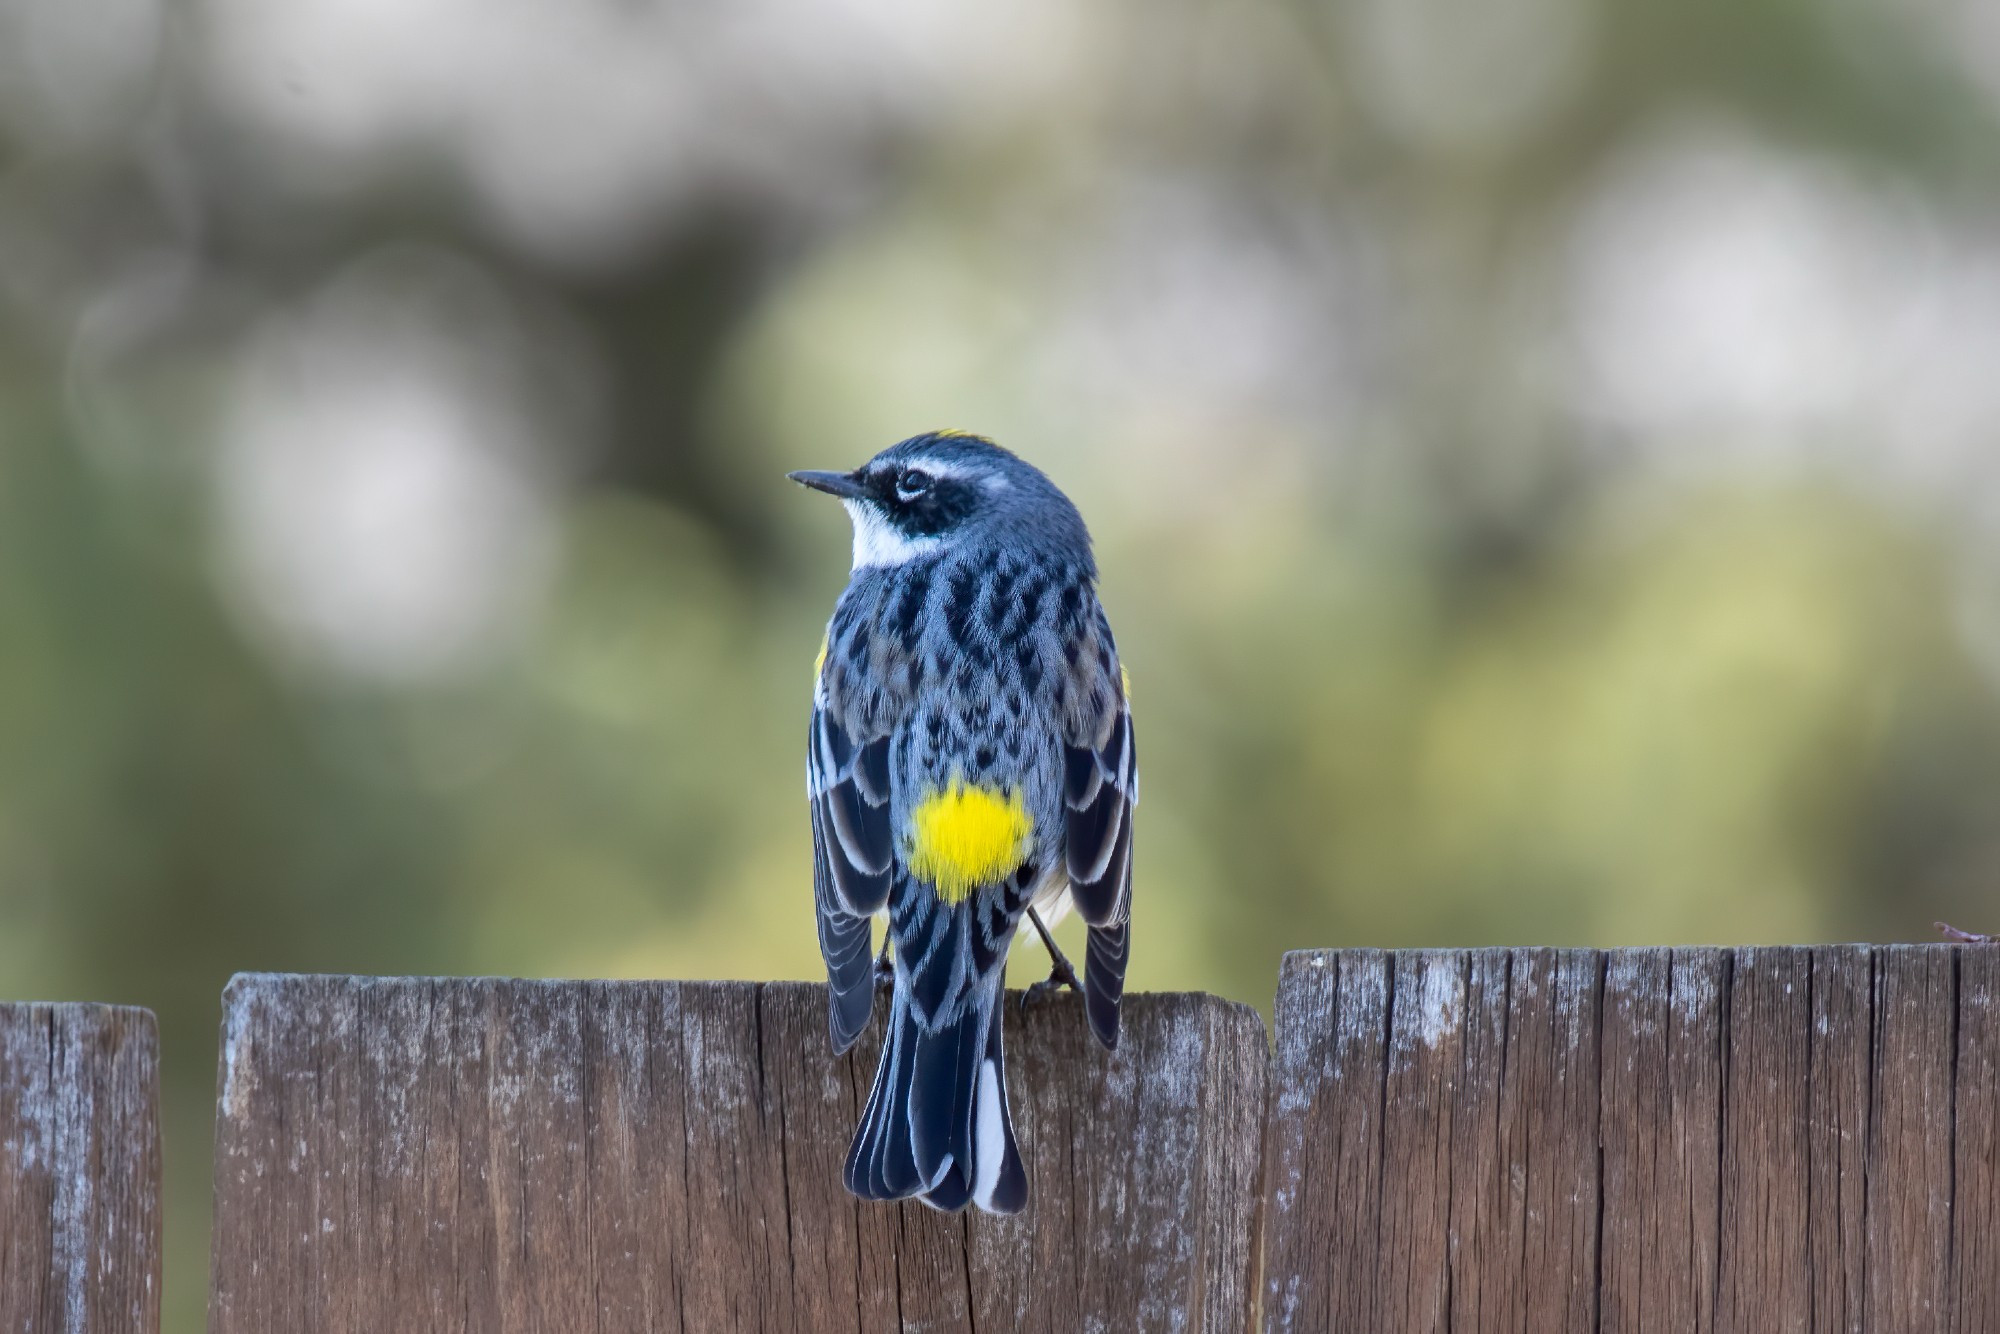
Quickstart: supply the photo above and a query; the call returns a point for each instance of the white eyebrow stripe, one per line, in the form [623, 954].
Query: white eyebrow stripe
[942, 468]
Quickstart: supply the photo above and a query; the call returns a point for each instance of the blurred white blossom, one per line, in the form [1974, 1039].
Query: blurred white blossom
[582, 125]
[1730, 304]
[77, 71]
[381, 478]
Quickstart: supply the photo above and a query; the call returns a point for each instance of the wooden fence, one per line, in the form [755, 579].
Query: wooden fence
[1519, 1140]
[79, 1169]
[485, 1156]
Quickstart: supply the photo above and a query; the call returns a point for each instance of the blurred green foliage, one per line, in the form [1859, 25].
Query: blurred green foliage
[1542, 454]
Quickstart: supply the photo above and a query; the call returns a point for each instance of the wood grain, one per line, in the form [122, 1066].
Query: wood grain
[1697, 1140]
[486, 1155]
[1766, 1188]
[79, 1170]
[1910, 1138]
[1486, 1207]
[1975, 1215]
[1837, 1136]
[1323, 1156]
[1661, 1129]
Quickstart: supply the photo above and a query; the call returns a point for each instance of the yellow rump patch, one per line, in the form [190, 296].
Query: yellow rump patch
[965, 837]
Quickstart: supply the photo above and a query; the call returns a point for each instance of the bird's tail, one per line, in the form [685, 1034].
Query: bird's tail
[937, 1125]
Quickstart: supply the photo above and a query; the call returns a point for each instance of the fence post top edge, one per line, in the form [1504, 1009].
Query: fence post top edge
[137, 1015]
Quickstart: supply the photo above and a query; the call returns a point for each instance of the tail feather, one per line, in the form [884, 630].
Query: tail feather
[943, 1095]
[881, 1164]
[985, 1167]
[1000, 1183]
[937, 1125]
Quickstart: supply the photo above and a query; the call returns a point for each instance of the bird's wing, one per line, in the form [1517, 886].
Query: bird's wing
[847, 784]
[1100, 789]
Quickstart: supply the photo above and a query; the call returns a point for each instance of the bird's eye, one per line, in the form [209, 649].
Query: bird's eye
[913, 483]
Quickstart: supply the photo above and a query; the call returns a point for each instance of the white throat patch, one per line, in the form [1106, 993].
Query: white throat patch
[877, 544]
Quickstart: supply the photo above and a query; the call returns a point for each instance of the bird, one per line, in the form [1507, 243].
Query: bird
[970, 762]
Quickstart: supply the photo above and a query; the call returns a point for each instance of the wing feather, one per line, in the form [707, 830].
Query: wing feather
[1099, 849]
[850, 794]
[844, 943]
[1109, 947]
[847, 789]
[1100, 788]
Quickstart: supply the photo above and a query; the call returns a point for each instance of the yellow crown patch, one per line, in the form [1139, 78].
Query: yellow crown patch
[965, 837]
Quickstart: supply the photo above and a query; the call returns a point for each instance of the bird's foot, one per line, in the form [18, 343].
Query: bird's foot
[1061, 974]
[1057, 979]
[885, 969]
[1957, 936]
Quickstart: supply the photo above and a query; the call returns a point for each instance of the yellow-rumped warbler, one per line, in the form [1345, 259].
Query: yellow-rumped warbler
[970, 760]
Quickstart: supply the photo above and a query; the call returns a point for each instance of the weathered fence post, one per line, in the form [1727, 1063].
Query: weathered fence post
[1752, 1140]
[79, 1170]
[1739, 1141]
[485, 1156]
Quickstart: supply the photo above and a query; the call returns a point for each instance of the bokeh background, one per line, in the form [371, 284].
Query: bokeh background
[1545, 457]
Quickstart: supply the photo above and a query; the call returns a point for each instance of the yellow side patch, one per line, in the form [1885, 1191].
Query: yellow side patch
[819, 663]
[965, 837]
[1125, 682]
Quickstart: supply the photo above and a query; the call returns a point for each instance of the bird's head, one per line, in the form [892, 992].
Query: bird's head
[934, 492]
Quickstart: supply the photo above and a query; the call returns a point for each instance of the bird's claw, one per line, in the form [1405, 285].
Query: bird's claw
[1061, 974]
[1059, 977]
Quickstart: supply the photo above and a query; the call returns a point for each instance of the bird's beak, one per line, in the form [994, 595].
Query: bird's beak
[833, 483]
